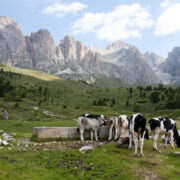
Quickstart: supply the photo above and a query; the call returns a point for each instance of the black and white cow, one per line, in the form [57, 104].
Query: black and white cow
[138, 131]
[164, 126]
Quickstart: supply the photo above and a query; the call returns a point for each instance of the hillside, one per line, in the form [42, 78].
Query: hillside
[26, 89]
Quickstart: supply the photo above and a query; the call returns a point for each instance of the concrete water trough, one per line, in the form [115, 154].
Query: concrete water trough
[66, 132]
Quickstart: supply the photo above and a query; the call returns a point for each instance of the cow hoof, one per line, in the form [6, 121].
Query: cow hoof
[141, 155]
[135, 155]
[154, 149]
[129, 147]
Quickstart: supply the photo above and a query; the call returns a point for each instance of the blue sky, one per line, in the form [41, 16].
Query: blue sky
[151, 25]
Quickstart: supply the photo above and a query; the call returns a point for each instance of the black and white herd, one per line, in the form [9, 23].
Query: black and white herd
[135, 127]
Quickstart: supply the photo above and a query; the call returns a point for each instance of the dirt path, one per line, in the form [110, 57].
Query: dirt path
[52, 114]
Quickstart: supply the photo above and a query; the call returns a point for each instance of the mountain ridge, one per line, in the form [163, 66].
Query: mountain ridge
[40, 52]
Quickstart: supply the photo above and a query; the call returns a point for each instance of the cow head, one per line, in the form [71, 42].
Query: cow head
[146, 136]
[123, 121]
[103, 120]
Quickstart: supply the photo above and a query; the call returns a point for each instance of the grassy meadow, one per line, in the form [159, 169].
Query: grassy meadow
[29, 95]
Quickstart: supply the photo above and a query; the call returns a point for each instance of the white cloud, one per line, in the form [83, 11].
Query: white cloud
[123, 22]
[168, 22]
[166, 3]
[60, 9]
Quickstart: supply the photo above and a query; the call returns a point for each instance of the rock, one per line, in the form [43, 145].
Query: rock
[5, 115]
[12, 44]
[171, 64]
[44, 52]
[36, 108]
[5, 143]
[86, 148]
[8, 136]
[177, 153]
[153, 59]
[123, 142]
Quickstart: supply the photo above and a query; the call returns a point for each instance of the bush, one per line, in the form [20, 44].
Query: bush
[64, 106]
[16, 105]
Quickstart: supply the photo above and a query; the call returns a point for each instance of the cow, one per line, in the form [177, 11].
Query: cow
[119, 124]
[92, 124]
[164, 126]
[138, 131]
[95, 116]
[124, 124]
[113, 124]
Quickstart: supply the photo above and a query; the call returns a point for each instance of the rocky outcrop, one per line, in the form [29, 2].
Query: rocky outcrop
[44, 52]
[12, 45]
[153, 59]
[171, 64]
[131, 67]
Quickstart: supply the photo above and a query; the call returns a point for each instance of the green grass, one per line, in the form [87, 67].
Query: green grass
[108, 162]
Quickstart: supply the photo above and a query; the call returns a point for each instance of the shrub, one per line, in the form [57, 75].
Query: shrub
[64, 106]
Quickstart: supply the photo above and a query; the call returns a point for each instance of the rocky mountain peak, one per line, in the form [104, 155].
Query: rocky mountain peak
[12, 44]
[175, 53]
[6, 22]
[118, 45]
[171, 64]
[72, 49]
[43, 35]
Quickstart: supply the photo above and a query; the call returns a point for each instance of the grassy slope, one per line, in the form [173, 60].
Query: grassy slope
[36, 74]
[110, 162]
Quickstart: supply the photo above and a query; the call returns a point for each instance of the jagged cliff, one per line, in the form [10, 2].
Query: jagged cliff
[39, 51]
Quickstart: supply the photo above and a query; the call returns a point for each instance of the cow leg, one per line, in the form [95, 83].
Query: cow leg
[95, 133]
[117, 132]
[110, 133]
[153, 134]
[136, 145]
[81, 134]
[155, 142]
[166, 140]
[92, 135]
[130, 142]
[141, 146]
[172, 139]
